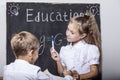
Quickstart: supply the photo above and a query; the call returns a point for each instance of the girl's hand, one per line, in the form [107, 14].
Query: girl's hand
[67, 72]
[76, 75]
[54, 55]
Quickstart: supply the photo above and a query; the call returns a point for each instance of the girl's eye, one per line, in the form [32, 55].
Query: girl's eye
[72, 32]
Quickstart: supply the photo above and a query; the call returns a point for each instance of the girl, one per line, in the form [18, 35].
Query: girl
[82, 55]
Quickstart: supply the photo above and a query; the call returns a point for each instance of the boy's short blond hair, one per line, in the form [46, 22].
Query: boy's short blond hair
[23, 42]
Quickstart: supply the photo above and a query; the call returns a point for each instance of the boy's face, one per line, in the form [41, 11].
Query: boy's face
[34, 56]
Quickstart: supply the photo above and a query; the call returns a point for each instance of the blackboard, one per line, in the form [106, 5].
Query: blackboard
[44, 20]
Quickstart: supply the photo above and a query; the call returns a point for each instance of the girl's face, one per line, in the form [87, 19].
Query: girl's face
[72, 33]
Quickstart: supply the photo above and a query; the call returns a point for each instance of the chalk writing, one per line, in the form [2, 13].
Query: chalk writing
[58, 41]
[42, 44]
[49, 17]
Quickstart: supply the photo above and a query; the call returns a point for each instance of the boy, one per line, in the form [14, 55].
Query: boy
[25, 47]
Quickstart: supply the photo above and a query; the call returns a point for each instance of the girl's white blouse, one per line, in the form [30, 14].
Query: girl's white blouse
[79, 57]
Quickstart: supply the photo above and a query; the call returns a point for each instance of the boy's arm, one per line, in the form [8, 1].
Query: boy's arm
[52, 77]
[44, 75]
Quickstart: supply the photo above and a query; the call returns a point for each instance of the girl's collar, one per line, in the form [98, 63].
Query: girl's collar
[80, 43]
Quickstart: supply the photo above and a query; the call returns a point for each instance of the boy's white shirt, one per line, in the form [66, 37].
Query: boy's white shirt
[22, 70]
[79, 57]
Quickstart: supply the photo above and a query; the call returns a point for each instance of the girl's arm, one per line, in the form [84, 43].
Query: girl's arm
[93, 72]
[93, 58]
[55, 56]
[61, 69]
[88, 76]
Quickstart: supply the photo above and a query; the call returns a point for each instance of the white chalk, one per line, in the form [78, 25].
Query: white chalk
[53, 43]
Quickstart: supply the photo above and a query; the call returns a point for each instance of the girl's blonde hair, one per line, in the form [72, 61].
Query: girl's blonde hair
[87, 24]
[23, 42]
